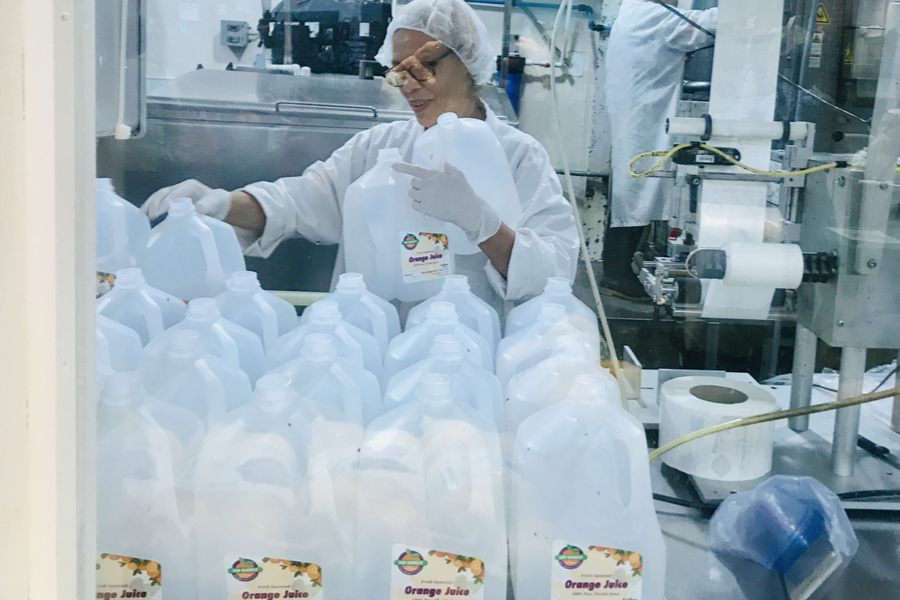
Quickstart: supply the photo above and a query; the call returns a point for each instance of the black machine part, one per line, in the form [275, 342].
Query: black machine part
[695, 155]
[711, 263]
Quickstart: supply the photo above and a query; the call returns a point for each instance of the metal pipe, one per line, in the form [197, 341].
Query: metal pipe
[504, 54]
[802, 375]
[895, 416]
[846, 420]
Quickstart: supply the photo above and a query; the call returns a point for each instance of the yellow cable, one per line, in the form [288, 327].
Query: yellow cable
[668, 155]
[775, 416]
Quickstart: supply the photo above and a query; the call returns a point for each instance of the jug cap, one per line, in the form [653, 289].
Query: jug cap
[392, 154]
[184, 343]
[130, 278]
[558, 285]
[103, 184]
[441, 312]
[243, 281]
[351, 282]
[325, 311]
[436, 389]
[318, 346]
[202, 309]
[447, 345]
[274, 392]
[123, 388]
[182, 207]
[552, 312]
[456, 283]
[595, 390]
[447, 119]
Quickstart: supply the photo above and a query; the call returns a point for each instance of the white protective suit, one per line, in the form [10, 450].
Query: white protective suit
[644, 72]
[546, 242]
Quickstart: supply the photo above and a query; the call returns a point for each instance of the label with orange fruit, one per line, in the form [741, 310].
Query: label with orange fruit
[422, 574]
[126, 577]
[583, 571]
[266, 578]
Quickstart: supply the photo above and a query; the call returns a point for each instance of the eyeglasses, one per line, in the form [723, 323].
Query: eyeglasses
[419, 72]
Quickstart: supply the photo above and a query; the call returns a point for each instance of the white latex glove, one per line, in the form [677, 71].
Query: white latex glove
[447, 196]
[207, 201]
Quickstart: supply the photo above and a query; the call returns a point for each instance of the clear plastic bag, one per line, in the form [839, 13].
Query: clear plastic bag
[794, 526]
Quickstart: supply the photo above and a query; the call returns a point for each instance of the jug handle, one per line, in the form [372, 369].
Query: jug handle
[120, 231]
[269, 322]
[154, 321]
[379, 326]
[207, 241]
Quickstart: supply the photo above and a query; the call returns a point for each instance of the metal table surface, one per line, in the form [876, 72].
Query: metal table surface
[695, 572]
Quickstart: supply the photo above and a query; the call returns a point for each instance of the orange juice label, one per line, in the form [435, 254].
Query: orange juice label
[424, 256]
[266, 578]
[126, 577]
[582, 571]
[421, 574]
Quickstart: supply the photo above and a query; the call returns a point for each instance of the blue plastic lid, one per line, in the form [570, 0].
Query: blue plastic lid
[781, 533]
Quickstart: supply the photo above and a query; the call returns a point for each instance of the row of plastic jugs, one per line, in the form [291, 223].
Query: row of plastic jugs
[457, 428]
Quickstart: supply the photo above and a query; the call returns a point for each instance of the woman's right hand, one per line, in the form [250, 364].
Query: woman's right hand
[211, 202]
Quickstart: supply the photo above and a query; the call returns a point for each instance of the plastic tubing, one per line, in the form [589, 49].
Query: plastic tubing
[570, 188]
[775, 416]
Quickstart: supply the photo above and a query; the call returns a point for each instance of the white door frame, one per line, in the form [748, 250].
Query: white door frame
[47, 364]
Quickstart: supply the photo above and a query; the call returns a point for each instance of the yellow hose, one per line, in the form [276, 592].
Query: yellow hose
[775, 416]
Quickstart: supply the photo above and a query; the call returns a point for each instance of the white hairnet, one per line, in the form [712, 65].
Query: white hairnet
[452, 22]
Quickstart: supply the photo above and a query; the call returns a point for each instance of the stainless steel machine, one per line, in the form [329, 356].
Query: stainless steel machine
[231, 128]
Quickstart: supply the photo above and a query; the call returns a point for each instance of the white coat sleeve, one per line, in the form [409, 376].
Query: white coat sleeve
[684, 37]
[546, 243]
[310, 205]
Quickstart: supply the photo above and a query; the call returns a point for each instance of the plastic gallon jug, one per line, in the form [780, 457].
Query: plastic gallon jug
[411, 346]
[471, 146]
[364, 309]
[352, 343]
[139, 528]
[473, 312]
[269, 520]
[558, 290]
[186, 375]
[320, 374]
[536, 342]
[400, 252]
[431, 520]
[122, 230]
[607, 540]
[473, 385]
[220, 337]
[124, 344]
[190, 255]
[251, 307]
[144, 309]
[550, 380]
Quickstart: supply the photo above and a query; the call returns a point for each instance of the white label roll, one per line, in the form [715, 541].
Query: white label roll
[692, 403]
[764, 265]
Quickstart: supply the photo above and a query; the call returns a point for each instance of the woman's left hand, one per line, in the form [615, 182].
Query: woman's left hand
[447, 195]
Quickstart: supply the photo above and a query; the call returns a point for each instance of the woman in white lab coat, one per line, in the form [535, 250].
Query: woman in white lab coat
[439, 51]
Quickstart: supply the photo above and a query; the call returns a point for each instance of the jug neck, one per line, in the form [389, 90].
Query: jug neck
[103, 185]
[325, 312]
[243, 282]
[558, 287]
[389, 155]
[351, 284]
[593, 391]
[447, 348]
[130, 279]
[123, 389]
[436, 391]
[202, 310]
[184, 347]
[442, 313]
[183, 208]
[551, 313]
[571, 348]
[319, 347]
[456, 284]
[274, 393]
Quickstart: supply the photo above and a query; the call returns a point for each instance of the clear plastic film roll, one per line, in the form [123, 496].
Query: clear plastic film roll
[736, 128]
[764, 265]
[691, 403]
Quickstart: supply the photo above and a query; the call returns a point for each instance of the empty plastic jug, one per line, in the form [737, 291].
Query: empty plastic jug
[122, 230]
[558, 290]
[220, 337]
[124, 344]
[400, 252]
[352, 343]
[320, 374]
[473, 385]
[137, 504]
[471, 146]
[412, 345]
[549, 381]
[186, 375]
[430, 491]
[473, 312]
[590, 456]
[534, 343]
[251, 307]
[146, 310]
[364, 309]
[267, 488]
[190, 255]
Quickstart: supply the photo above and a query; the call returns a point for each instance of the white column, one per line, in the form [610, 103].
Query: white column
[47, 368]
